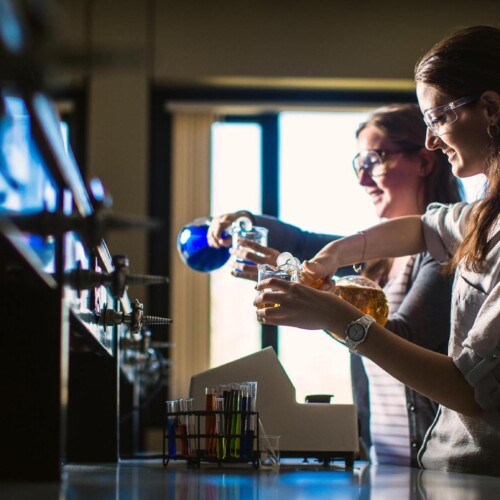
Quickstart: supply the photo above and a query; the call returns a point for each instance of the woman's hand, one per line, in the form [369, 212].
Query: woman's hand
[325, 262]
[302, 306]
[216, 237]
[250, 251]
[318, 276]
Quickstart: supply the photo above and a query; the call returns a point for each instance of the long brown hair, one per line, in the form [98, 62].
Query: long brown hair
[403, 125]
[467, 63]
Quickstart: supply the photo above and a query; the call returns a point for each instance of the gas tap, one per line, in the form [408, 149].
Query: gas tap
[117, 281]
[136, 318]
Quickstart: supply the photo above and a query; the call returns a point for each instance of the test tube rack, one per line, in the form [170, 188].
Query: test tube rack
[227, 447]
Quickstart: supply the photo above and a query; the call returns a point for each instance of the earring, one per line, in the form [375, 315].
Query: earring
[493, 130]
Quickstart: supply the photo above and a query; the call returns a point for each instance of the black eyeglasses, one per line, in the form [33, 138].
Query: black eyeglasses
[372, 161]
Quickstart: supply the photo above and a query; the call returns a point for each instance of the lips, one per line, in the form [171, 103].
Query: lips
[450, 154]
[375, 193]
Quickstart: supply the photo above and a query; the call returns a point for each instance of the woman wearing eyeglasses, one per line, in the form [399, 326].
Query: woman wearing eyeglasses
[458, 89]
[402, 178]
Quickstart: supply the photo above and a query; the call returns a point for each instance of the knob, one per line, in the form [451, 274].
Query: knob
[136, 318]
[85, 279]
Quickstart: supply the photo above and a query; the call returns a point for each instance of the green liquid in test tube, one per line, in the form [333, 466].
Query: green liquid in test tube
[236, 424]
[220, 429]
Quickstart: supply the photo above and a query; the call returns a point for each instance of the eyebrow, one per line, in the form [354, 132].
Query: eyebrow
[434, 107]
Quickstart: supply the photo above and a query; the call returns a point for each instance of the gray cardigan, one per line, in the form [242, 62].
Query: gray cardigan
[423, 318]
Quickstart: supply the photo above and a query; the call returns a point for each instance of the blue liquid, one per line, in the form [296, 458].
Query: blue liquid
[259, 235]
[195, 252]
[171, 429]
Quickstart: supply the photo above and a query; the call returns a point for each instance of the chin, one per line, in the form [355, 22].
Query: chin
[461, 171]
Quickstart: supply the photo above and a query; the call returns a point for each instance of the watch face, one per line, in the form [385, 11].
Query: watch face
[356, 332]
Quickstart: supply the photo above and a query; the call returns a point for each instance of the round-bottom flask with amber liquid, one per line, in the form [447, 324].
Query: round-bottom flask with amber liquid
[364, 294]
[359, 291]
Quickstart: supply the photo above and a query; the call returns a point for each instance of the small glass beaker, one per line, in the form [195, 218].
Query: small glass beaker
[269, 446]
[266, 271]
[248, 232]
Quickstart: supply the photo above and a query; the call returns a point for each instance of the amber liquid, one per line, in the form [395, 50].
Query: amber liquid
[369, 300]
[277, 274]
[210, 440]
[267, 304]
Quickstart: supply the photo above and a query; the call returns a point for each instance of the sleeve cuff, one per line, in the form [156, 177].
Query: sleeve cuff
[483, 374]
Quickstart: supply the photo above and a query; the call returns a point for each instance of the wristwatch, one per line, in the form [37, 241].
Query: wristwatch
[356, 332]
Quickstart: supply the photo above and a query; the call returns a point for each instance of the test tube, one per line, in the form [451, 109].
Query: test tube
[220, 429]
[192, 427]
[252, 418]
[172, 408]
[235, 422]
[245, 391]
[182, 426]
[227, 394]
[210, 441]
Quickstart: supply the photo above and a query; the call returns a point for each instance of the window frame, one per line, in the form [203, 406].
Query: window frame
[160, 159]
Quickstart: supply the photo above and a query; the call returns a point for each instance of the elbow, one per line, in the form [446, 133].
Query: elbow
[466, 403]
[469, 409]
[472, 410]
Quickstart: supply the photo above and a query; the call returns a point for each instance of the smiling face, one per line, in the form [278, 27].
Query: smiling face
[400, 191]
[465, 142]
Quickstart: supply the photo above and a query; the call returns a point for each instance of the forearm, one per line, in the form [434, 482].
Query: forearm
[432, 374]
[287, 237]
[394, 238]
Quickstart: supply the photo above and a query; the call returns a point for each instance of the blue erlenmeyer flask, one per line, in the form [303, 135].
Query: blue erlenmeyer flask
[194, 250]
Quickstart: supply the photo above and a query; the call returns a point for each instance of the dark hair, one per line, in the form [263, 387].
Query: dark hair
[467, 63]
[403, 124]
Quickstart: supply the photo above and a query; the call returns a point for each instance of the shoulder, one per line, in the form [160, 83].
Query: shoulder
[444, 227]
[452, 216]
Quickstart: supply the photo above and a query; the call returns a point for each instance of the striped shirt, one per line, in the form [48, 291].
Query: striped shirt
[389, 427]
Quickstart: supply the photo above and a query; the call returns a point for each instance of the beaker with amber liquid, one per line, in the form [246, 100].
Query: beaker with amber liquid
[283, 272]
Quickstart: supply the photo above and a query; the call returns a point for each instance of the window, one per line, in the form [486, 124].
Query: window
[235, 185]
[315, 152]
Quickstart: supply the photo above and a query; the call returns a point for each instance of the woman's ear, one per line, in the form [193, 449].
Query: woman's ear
[427, 162]
[491, 99]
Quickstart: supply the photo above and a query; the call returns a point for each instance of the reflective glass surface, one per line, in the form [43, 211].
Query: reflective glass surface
[294, 480]
[25, 183]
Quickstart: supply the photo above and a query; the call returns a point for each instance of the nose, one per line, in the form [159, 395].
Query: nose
[364, 179]
[432, 141]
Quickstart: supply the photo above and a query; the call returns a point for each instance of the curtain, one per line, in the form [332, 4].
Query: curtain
[190, 331]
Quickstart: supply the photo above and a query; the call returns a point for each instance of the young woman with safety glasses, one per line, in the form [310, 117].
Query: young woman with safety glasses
[458, 89]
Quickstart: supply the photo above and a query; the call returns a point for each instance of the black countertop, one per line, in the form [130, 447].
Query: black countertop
[141, 479]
